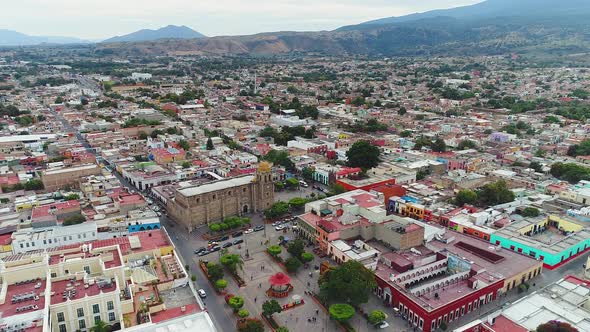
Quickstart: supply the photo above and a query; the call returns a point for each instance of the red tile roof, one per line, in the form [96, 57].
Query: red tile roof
[175, 312]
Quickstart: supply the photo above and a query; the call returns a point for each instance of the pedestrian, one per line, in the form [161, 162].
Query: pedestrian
[255, 299]
[317, 311]
[251, 278]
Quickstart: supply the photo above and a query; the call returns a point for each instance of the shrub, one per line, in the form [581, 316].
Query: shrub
[307, 257]
[243, 313]
[221, 284]
[236, 303]
[274, 250]
[341, 312]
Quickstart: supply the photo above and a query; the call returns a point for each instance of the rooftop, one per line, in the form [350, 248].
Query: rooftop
[24, 297]
[66, 290]
[217, 185]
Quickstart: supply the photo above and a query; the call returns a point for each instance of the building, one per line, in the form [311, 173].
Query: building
[201, 204]
[448, 278]
[50, 237]
[567, 301]
[59, 178]
[552, 240]
[127, 282]
[147, 175]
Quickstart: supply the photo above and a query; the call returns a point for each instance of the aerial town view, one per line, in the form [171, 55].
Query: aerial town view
[427, 171]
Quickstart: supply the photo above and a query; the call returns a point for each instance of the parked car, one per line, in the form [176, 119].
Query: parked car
[202, 293]
[203, 253]
[382, 325]
[248, 231]
[227, 245]
[224, 238]
[258, 228]
[279, 228]
[237, 234]
[200, 250]
[216, 248]
[238, 241]
[276, 223]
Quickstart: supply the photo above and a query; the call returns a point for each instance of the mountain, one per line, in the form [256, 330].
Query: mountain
[497, 9]
[168, 32]
[492, 27]
[14, 38]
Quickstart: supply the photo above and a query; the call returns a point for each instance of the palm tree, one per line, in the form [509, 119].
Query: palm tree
[100, 326]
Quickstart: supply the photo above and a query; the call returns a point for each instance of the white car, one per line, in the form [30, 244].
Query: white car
[382, 325]
[279, 228]
[202, 293]
[248, 231]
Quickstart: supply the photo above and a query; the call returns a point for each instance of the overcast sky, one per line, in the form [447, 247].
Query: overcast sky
[96, 19]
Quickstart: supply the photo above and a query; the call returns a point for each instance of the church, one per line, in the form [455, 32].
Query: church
[217, 200]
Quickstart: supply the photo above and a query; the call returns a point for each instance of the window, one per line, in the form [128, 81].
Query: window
[421, 324]
[49, 241]
[97, 319]
[469, 307]
[87, 269]
[451, 316]
[33, 244]
[80, 312]
[462, 310]
[28, 245]
[111, 316]
[62, 328]
[82, 324]
[110, 305]
[21, 245]
[60, 317]
[44, 241]
[457, 314]
[95, 308]
[433, 325]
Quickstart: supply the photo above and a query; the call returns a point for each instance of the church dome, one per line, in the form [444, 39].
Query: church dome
[264, 167]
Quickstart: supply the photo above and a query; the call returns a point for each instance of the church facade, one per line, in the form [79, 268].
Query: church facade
[215, 201]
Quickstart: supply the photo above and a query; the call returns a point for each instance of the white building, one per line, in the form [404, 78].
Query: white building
[44, 238]
[141, 76]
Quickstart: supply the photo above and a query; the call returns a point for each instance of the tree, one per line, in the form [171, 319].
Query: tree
[221, 284]
[250, 325]
[183, 144]
[438, 145]
[351, 282]
[402, 111]
[232, 261]
[495, 193]
[74, 220]
[530, 211]
[292, 264]
[292, 183]
[377, 316]
[341, 311]
[186, 165]
[142, 135]
[363, 154]
[277, 210]
[465, 196]
[296, 248]
[573, 173]
[236, 303]
[556, 326]
[243, 313]
[282, 329]
[336, 189]
[306, 257]
[279, 185]
[72, 197]
[34, 184]
[271, 307]
[210, 144]
[536, 166]
[297, 202]
[274, 250]
[100, 326]
[466, 144]
[215, 271]
[307, 173]
[215, 227]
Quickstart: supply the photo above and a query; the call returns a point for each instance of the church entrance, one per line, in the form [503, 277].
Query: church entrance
[245, 209]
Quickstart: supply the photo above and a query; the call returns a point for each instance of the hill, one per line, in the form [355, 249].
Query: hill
[168, 32]
[14, 38]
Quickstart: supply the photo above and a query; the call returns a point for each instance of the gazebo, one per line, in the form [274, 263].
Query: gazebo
[280, 285]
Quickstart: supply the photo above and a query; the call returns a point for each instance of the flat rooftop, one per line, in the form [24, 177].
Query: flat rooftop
[24, 298]
[65, 290]
[502, 263]
[217, 185]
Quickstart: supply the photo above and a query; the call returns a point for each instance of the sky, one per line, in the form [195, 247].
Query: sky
[99, 19]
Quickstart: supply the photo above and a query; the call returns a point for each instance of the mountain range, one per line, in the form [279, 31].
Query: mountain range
[488, 27]
[14, 38]
[167, 32]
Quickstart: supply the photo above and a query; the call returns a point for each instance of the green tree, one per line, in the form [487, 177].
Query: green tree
[296, 248]
[402, 111]
[306, 257]
[250, 325]
[341, 312]
[74, 220]
[274, 250]
[34, 184]
[466, 144]
[215, 271]
[232, 261]
[377, 316]
[363, 154]
[336, 189]
[282, 329]
[279, 185]
[307, 173]
[215, 227]
[236, 303]
[530, 211]
[536, 166]
[142, 135]
[438, 145]
[292, 264]
[271, 307]
[465, 196]
[297, 202]
[351, 282]
[100, 326]
[277, 210]
[495, 193]
[210, 144]
[72, 197]
[186, 164]
[243, 313]
[573, 173]
[183, 144]
[556, 326]
[292, 183]
[221, 284]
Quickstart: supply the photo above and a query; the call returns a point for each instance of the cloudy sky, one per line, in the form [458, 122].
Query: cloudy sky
[96, 19]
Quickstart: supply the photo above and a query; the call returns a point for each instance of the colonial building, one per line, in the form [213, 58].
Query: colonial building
[214, 201]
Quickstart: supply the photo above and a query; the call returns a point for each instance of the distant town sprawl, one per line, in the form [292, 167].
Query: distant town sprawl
[452, 193]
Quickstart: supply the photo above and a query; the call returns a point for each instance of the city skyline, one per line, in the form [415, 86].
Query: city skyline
[100, 20]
